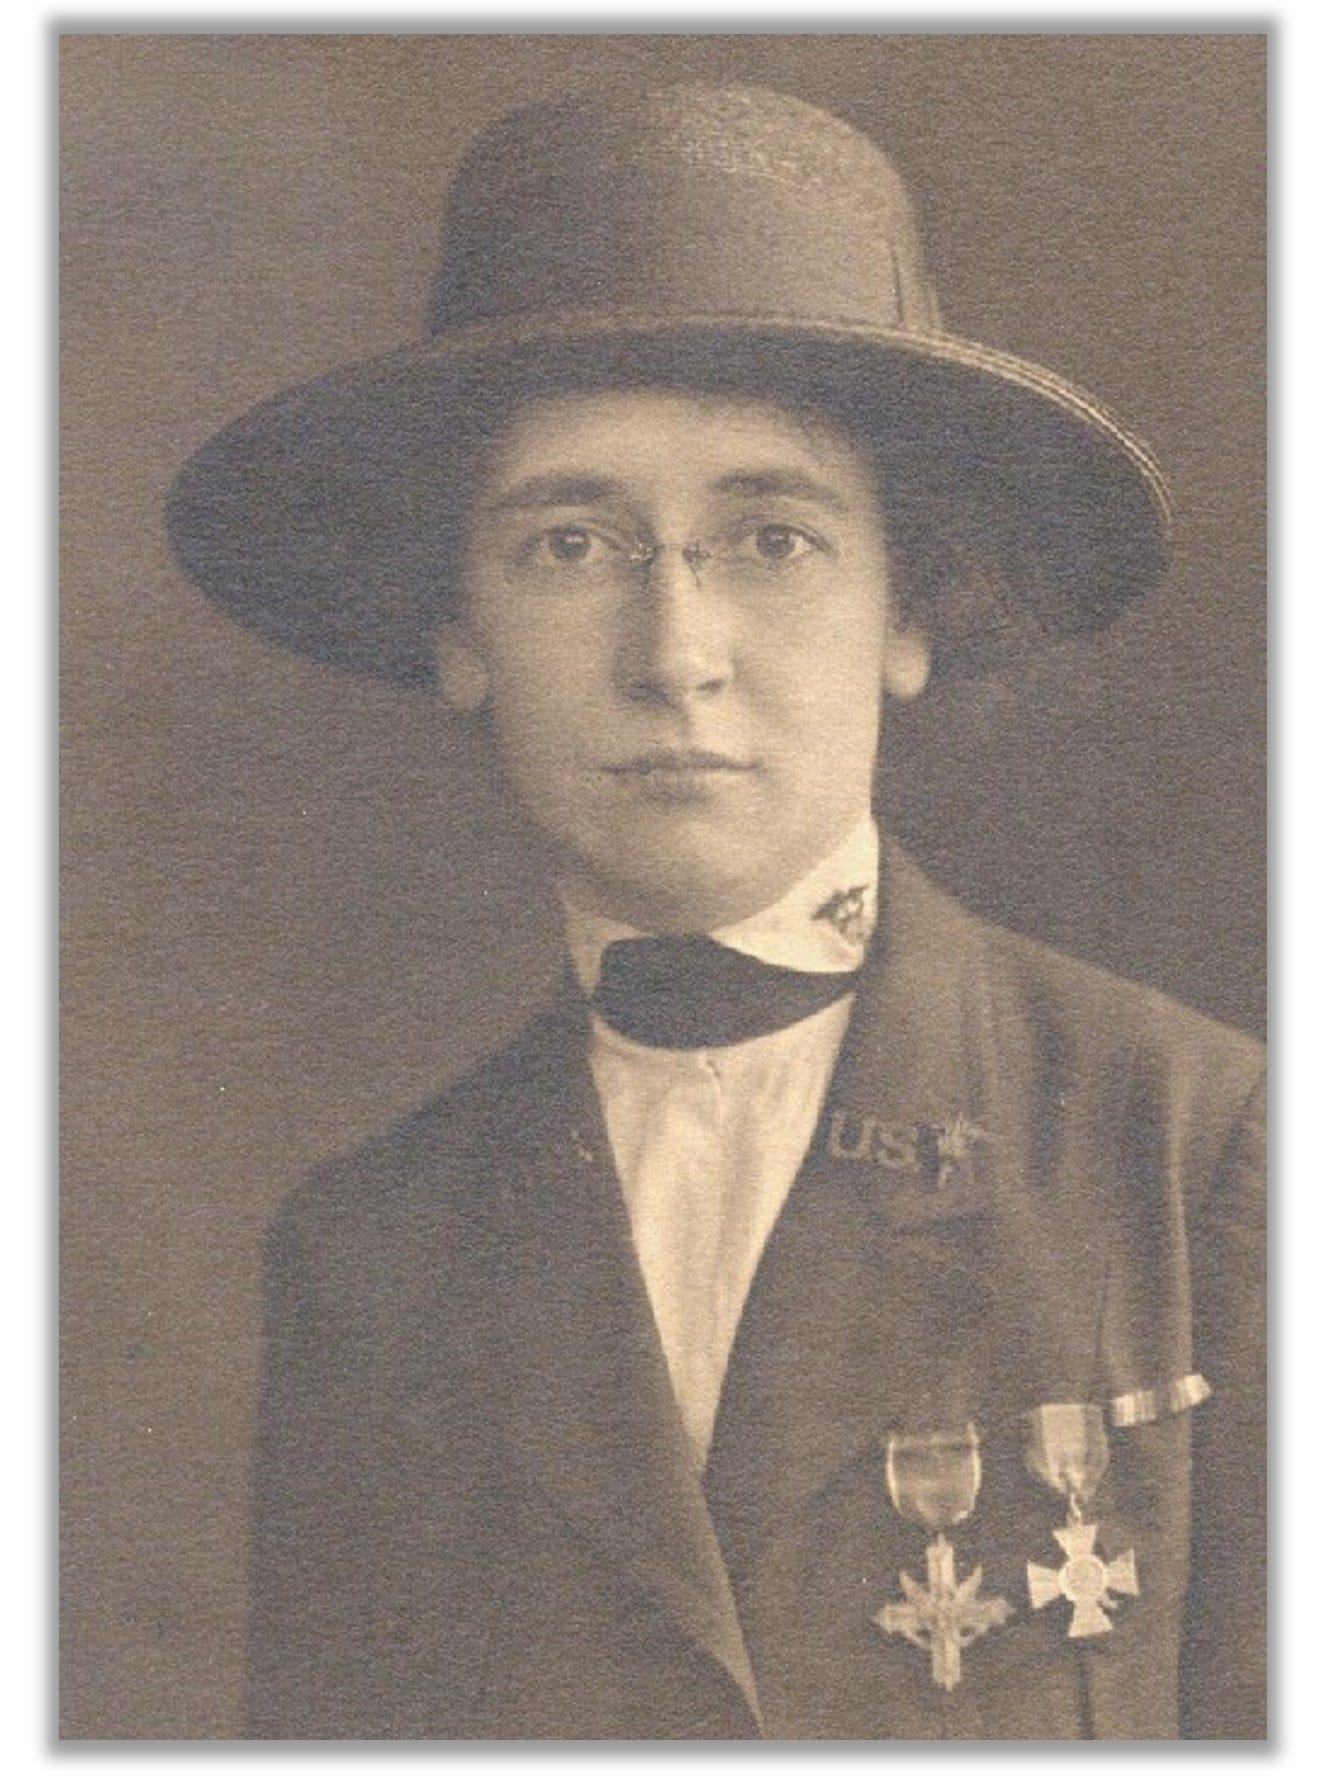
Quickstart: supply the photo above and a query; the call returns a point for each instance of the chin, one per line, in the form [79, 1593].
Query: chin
[674, 886]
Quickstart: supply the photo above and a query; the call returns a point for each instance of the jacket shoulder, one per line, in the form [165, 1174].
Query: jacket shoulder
[1056, 1020]
[432, 1161]
[1092, 1021]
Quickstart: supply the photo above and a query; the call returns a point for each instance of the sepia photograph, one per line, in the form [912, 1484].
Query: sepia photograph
[663, 886]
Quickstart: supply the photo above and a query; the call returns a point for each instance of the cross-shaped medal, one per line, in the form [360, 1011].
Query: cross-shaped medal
[943, 1616]
[1083, 1579]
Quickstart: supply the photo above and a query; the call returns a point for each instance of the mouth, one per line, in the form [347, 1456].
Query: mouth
[672, 762]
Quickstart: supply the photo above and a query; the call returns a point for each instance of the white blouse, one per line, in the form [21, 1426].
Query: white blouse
[707, 1142]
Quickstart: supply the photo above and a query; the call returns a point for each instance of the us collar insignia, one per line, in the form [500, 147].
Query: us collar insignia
[941, 1153]
[1068, 1452]
[934, 1479]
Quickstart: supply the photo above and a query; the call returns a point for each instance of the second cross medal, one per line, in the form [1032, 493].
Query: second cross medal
[1068, 1452]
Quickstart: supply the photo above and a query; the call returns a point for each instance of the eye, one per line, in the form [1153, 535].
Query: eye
[567, 549]
[778, 545]
[568, 543]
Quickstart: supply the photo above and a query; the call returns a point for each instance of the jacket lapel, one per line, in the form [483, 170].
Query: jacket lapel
[594, 1418]
[879, 1296]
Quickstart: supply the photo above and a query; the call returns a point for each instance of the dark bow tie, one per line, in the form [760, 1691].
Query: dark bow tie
[693, 993]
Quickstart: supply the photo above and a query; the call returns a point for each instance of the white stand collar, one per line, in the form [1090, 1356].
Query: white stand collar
[823, 922]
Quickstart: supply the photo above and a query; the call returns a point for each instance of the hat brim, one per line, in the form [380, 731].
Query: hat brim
[293, 519]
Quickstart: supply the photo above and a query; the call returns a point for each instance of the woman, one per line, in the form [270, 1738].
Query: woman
[838, 1317]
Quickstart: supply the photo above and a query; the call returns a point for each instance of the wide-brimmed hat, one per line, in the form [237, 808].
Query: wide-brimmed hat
[726, 236]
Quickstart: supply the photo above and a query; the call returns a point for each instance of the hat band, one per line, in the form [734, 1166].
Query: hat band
[675, 242]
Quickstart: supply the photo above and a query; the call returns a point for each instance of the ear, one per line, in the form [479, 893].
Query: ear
[462, 673]
[907, 658]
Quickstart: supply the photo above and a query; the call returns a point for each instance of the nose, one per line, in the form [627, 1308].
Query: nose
[677, 641]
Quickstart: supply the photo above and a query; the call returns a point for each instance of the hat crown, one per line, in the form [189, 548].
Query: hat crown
[728, 235]
[684, 202]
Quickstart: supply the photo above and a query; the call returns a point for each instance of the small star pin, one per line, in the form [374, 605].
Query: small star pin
[959, 1138]
[1084, 1579]
[943, 1148]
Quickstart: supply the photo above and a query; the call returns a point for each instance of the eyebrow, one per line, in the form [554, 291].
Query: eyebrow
[554, 490]
[540, 491]
[793, 483]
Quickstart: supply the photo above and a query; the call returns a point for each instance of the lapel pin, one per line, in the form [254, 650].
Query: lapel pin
[938, 1153]
[849, 912]
[945, 1149]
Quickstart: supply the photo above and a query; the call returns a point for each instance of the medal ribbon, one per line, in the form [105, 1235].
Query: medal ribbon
[1068, 1448]
[934, 1477]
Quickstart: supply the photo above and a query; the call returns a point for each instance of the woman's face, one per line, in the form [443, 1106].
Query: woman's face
[678, 612]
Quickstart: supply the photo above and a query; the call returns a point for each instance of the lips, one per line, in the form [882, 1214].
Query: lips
[677, 761]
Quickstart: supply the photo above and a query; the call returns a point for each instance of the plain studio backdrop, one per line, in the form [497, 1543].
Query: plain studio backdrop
[291, 909]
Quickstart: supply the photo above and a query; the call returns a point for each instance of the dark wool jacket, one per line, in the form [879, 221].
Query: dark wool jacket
[476, 1512]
